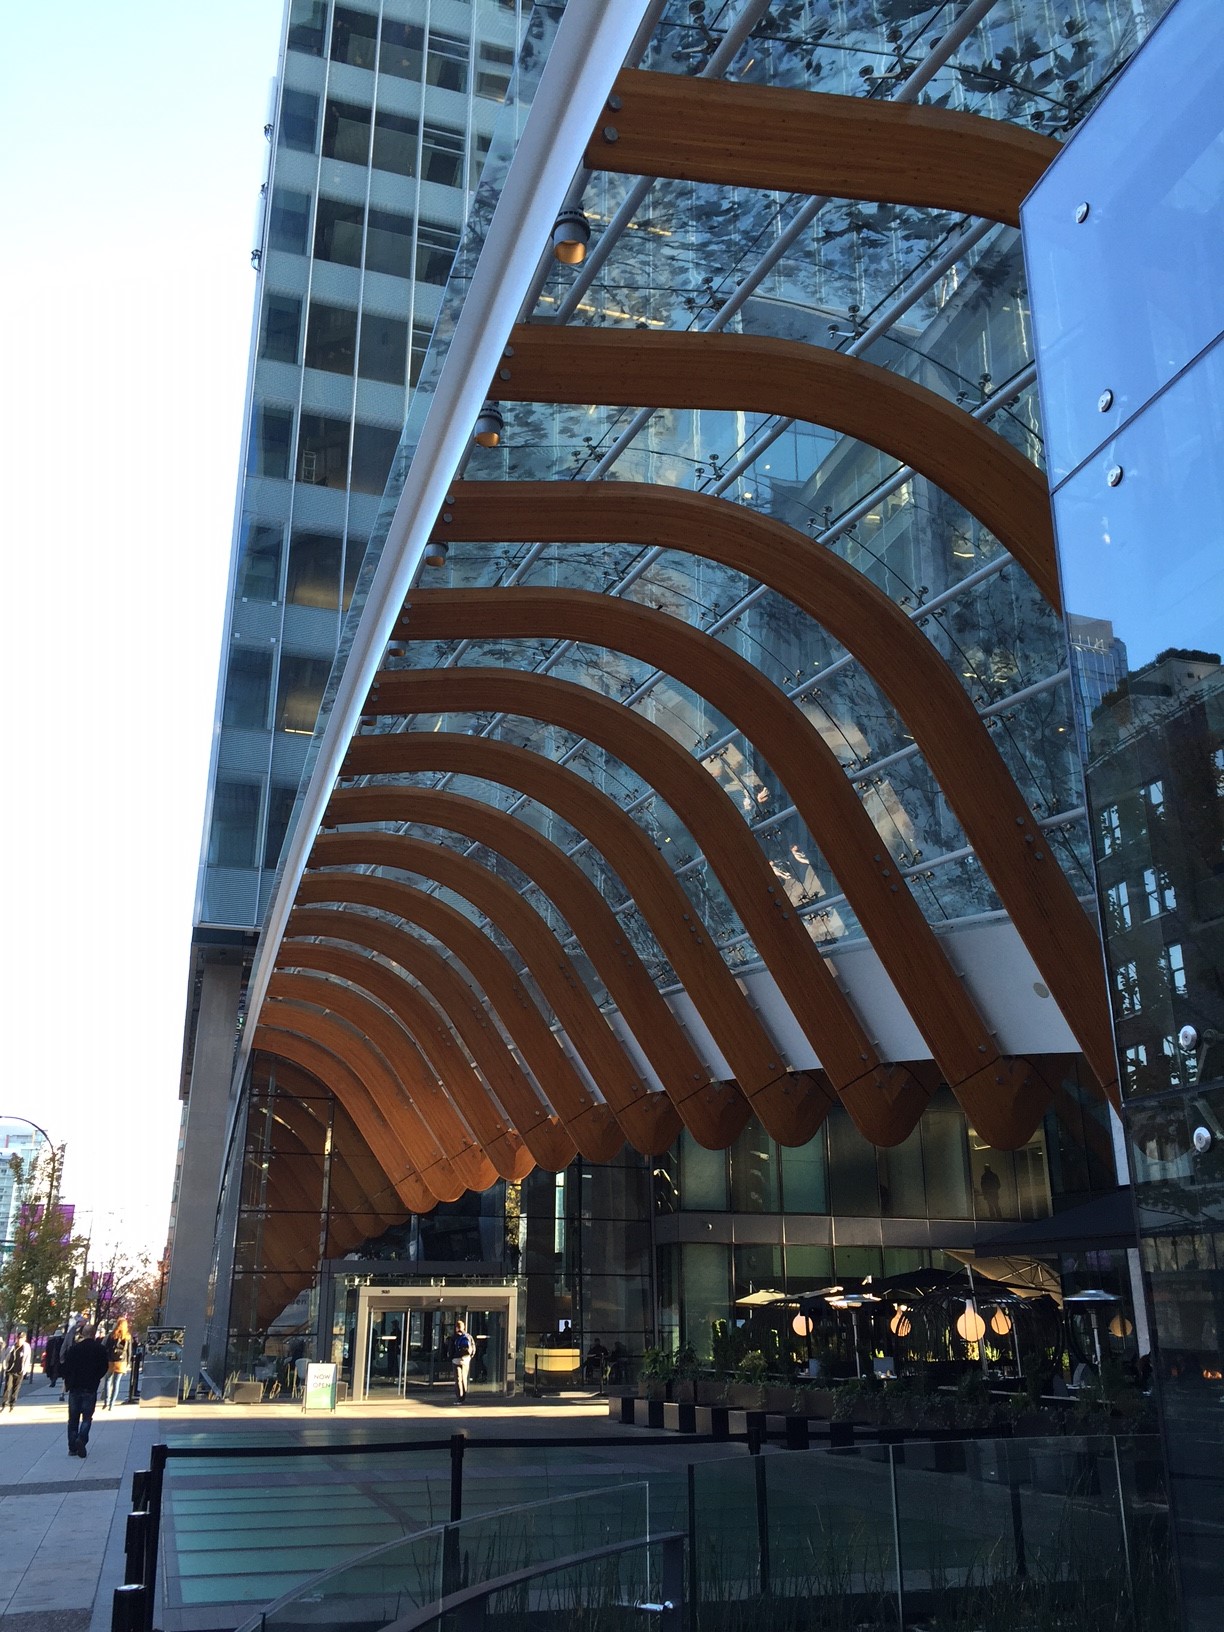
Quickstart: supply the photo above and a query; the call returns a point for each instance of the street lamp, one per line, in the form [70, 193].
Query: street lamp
[51, 1146]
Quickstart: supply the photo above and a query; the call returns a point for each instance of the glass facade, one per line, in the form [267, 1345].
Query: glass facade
[385, 111]
[1124, 240]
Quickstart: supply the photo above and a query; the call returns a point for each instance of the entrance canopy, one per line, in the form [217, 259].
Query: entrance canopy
[700, 744]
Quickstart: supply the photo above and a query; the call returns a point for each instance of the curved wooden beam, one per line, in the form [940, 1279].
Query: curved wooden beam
[818, 1004]
[1012, 849]
[713, 1112]
[462, 1095]
[790, 1109]
[791, 141]
[582, 1117]
[642, 1115]
[321, 1045]
[1005, 1099]
[418, 1099]
[758, 374]
[716, 1112]
[298, 1129]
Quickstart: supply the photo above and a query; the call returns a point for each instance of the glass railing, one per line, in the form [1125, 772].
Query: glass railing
[560, 1555]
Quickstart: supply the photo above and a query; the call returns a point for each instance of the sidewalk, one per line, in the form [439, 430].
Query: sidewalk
[62, 1520]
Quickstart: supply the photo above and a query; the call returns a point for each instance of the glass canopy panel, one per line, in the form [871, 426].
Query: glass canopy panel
[688, 247]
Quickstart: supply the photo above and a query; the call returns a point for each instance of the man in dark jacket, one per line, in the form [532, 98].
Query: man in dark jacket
[83, 1366]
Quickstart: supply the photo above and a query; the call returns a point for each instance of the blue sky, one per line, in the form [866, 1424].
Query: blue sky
[132, 158]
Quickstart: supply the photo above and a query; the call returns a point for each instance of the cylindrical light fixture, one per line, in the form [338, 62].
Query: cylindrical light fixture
[802, 1325]
[900, 1325]
[1000, 1323]
[570, 237]
[489, 426]
[436, 552]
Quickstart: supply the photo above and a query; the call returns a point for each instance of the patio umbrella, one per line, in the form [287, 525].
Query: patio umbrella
[760, 1300]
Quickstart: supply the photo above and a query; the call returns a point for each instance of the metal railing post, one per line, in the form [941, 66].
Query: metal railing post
[457, 1445]
[692, 1546]
[672, 1618]
[157, 1471]
[128, 1608]
[762, 1518]
[1017, 1508]
[896, 1522]
[1126, 1549]
[135, 1548]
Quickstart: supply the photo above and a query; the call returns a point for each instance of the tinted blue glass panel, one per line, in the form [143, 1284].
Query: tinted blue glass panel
[1110, 292]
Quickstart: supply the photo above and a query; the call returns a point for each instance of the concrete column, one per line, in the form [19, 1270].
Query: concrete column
[212, 1066]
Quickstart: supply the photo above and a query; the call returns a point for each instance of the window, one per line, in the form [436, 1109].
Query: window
[338, 232]
[853, 1187]
[403, 50]
[282, 323]
[1174, 962]
[1109, 826]
[1161, 896]
[703, 1177]
[373, 452]
[436, 246]
[323, 448]
[420, 349]
[447, 63]
[271, 434]
[289, 221]
[307, 19]
[299, 692]
[259, 563]
[805, 1186]
[1117, 902]
[395, 144]
[754, 1172]
[235, 818]
[389, 243]
[313, 578]
[384, 349]
[1126, 984]
[331, 339]
[299, 121]
[248, 688]
[494, 66]
[354, 37]
[441, 155]
[280, 808]
[1155, 799]
[346, 132]
[476, 160]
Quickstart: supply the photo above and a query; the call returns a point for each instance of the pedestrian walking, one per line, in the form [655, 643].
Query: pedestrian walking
[17, 1362]
[84, 1366]
[51, 1355]
[462, 1348]
[119, 1356]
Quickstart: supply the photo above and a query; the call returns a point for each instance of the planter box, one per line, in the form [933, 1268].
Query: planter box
[684, 1390]
[783, 1401]
[680, 1416]
[650, 1388]
[745, 1397]
[710, 1419]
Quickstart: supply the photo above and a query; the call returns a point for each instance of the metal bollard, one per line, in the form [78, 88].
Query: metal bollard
[128, 1608]
[140, 1491]
[135, 1547]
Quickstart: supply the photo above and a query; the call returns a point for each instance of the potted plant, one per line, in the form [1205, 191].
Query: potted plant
[655, 1373]
[686, 1373]
[747, 1391]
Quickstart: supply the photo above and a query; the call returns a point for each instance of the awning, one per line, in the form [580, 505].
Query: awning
[1104, 1224]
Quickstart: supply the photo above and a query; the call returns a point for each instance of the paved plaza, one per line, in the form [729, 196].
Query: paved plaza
[62, 1520]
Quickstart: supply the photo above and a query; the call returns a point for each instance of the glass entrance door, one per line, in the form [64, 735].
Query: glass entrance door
[387, 1355]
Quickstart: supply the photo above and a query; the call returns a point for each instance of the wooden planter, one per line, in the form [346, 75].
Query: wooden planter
[745, 1397]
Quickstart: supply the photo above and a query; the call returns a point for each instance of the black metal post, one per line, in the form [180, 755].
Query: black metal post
[135, 1548]
[762, 1518]
[157, 1472]
[693, 1578]
[128, 1612]
[672, 1618]
[140, 1491]
[1008, 1448]
[457, 1444]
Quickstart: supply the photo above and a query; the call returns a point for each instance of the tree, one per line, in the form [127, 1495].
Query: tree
[124, 1284]
[43, 1257]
